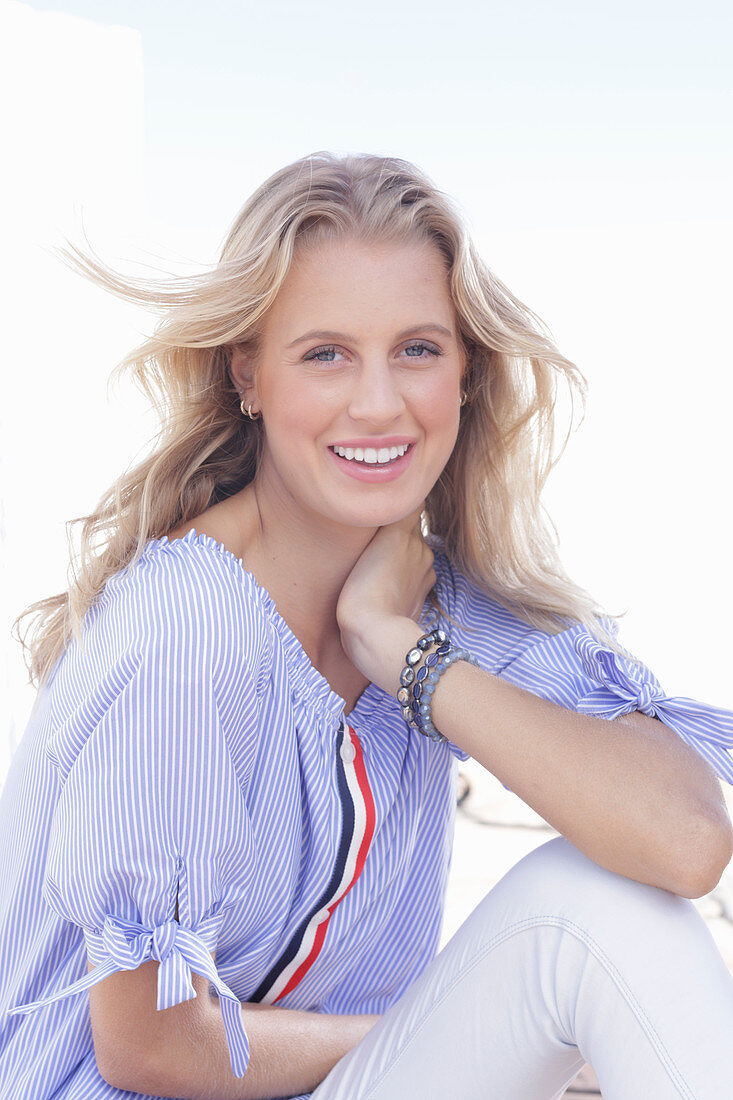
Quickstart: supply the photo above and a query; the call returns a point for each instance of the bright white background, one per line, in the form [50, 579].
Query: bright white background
[590, 148]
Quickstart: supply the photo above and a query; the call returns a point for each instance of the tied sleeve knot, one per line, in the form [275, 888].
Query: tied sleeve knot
[164, 939]
[623, 684]
[129, 945]
[125, 945]
[646, 697]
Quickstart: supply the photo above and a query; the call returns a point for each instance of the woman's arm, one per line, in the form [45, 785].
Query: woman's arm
[629, 793]
[182, 1051]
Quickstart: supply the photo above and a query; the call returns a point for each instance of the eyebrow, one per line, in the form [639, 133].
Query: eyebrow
[319, 334]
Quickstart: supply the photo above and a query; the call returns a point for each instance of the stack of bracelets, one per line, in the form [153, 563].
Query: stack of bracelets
[419, 680]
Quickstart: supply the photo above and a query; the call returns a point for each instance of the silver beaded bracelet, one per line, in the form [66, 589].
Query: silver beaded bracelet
[411, 673]
[418, 683]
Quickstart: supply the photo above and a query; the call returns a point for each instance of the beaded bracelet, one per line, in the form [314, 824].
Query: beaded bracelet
[422, 702]
[410, 673]
[418, 683]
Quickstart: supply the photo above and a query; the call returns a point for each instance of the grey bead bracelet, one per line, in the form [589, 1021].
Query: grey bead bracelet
[418, 680]
[422, 702]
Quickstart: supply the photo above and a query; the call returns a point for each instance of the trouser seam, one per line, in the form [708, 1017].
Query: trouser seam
[575, 930]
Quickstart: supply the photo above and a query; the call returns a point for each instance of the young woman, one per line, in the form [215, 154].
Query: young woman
[227, 829]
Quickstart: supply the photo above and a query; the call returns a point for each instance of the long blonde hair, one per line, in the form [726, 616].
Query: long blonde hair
[486, 505]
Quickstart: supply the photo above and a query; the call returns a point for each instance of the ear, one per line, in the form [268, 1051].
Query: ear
[242, 371]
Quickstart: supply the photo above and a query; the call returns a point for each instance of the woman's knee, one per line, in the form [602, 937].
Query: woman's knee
[557, 884]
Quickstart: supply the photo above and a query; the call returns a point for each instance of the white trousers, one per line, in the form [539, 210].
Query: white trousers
[562, 962]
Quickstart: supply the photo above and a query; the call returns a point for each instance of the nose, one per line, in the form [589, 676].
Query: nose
[376, 396]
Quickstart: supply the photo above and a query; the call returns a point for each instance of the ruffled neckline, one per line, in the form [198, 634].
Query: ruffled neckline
[309, 685]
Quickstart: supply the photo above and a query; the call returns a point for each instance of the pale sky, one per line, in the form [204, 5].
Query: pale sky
[591, 149]
[532, 113]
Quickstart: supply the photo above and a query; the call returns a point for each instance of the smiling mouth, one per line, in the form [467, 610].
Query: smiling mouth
[372, 456]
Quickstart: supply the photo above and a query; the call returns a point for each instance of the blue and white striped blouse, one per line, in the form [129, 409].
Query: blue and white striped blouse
[190, 753]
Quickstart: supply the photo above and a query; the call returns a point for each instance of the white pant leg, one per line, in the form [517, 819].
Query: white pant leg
[562, 962]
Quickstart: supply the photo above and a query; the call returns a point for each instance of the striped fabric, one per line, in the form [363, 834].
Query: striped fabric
[189, 754]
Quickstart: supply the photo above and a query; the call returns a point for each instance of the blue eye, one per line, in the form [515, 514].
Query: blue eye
[422, 347]
[331, 350]
[314, 355]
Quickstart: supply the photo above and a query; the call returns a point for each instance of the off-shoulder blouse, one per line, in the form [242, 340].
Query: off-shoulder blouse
[188, 754]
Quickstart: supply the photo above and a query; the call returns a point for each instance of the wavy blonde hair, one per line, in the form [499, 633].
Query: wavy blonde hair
[486, 505]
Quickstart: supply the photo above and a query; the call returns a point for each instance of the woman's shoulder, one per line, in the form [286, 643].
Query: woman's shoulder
[176, 640]
[182, 594]
[476, 617]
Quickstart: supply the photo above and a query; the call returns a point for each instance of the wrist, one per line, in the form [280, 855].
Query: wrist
[379, 646]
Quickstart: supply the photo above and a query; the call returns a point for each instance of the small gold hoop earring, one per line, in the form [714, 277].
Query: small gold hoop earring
[464, 398]
[248, 411]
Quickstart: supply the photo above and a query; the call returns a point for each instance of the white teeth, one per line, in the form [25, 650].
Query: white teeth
[371, 455]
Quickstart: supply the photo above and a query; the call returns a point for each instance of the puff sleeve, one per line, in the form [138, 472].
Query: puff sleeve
[577, 671]
[153, 742]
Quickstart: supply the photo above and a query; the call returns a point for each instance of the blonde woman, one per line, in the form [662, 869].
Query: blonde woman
[228, 826]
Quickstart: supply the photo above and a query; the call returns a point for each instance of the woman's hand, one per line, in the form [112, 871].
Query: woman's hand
[382, 598]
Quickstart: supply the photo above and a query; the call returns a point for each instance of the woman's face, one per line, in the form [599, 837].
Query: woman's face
[358, 381]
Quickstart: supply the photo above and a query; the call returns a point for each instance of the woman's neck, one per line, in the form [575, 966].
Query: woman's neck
[303, 565]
